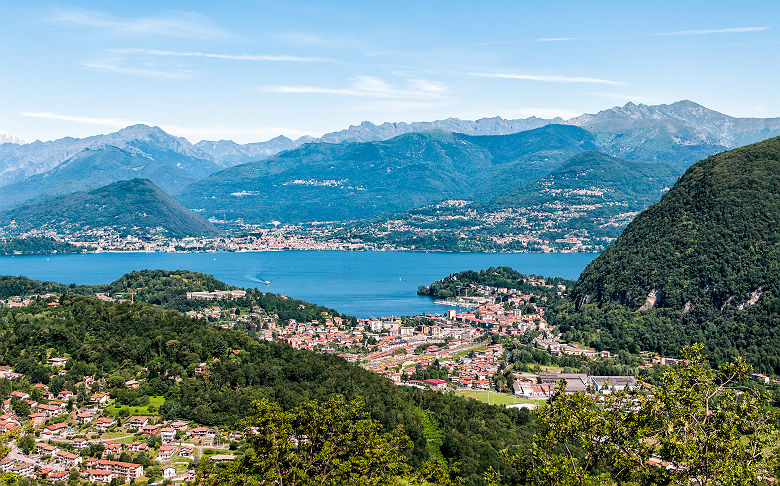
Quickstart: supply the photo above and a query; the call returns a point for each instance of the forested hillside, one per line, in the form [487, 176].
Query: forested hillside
[327, 182]
[104, 339]
[702, 265]
[134, 206]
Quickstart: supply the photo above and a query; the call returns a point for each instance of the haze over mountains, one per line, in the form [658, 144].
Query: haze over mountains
[369, 170]
[134, 207]
[325, 182]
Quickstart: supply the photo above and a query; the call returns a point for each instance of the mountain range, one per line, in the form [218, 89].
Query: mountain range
[369, 171]
[684, 125]
[325, 182]
[583, 203]
[135, 207]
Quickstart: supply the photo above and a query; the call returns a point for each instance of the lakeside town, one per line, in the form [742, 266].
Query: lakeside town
[522, 231]
[85, 434]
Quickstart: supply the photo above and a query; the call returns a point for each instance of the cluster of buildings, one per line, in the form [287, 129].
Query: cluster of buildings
[92, 440]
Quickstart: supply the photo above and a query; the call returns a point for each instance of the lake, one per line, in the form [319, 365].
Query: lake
[362, 283]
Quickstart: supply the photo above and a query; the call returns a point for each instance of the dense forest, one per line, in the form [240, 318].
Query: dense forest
[702, 265]
[108, 339]
[37, 246]
[463, 283]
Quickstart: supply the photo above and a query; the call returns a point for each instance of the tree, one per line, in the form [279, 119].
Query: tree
[26, 443]
[316, 443]
[21, 408]
[702, 422]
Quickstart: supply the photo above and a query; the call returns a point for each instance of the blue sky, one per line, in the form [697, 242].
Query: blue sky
[252, 70]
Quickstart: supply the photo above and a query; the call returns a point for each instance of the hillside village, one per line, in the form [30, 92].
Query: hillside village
[85, 432]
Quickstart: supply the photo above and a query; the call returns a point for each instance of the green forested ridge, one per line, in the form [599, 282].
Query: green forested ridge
[36, 246]
[504, 277]
[143, 157]
[712, 239]
[595, 178]
[135, 206]
[590, 196]
[709, 254]
[327, 182]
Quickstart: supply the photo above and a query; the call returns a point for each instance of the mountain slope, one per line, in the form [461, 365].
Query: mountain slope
[595, 179]
[20, 161]
[135, 206]
[711, 241]
[228, 153]
[679, 133]
[357, 180]
[582, 204]
[95, 168]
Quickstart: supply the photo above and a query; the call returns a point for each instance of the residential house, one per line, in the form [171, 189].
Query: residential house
[67, 459]
[99, 399]
[45, 450]
[166, 453]
[99, 476]
[104, 423]
[167, 434]
[136, 423]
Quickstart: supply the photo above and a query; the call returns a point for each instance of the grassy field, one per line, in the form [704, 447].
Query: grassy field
[467, 351]
[155, 401]
[495, 398]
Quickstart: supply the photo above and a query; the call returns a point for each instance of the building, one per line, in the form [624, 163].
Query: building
[127, 470]
[605, 384]
[169, 472]
[166, 453]
[104, 423]
[67, 459]
[45, 450]
[575, 382]
[99, 476]
[136, 423]
[167, 434]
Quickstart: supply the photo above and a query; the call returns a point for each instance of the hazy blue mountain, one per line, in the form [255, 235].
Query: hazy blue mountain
[20, 161]
[93, 168]
[135, 206]
[9, 137]
[369, 132]
[680, 133]
[323, 181]
[588, 198]
[595, 179]
[228, 153]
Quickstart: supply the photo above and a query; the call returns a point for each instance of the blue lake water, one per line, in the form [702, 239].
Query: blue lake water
[363, 284]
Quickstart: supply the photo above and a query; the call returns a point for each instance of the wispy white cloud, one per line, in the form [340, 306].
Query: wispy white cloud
[136, 71]
[242, 134]
[728, 30]
[89, 120]
[311, 39]
[551, 78]
[368, 87]
[187, 25]
[230, 57]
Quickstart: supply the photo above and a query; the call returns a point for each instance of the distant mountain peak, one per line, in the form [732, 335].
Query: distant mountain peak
[8, 137]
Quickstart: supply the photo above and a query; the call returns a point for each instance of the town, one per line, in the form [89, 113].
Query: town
[84, 434]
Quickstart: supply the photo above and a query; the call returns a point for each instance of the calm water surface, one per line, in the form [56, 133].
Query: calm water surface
[359, 283]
